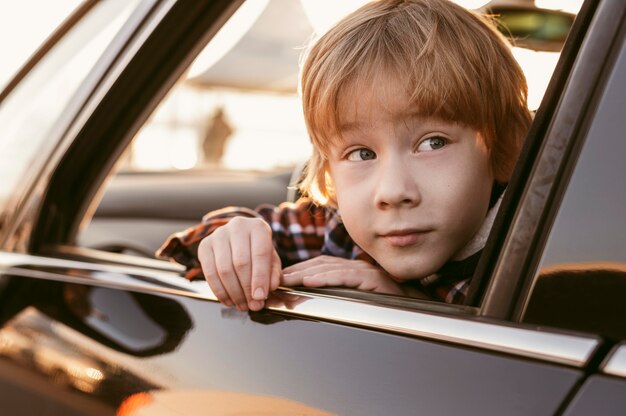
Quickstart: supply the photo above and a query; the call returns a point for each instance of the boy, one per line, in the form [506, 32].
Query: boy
[416, 110]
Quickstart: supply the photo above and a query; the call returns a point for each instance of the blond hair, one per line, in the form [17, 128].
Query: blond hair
[455, 64]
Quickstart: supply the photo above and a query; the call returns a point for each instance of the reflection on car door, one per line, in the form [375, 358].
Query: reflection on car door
[137, 338]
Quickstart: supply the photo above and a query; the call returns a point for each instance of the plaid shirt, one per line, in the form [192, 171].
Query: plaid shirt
[303, 230]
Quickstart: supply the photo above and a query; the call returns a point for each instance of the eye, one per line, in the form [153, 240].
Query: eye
[361, 154]
[432, 143]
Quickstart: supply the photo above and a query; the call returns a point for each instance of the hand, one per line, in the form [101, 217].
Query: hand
[240, 263]
[336, 271]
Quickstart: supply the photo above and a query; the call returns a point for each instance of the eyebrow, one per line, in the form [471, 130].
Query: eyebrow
[348, 126]
[412, 113]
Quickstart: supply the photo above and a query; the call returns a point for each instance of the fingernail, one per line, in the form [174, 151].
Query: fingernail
[259, 294]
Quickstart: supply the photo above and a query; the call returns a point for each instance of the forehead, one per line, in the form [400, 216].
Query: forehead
[361, 103]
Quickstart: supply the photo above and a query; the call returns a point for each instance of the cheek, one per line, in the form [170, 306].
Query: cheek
[458, 192]
[455, 184]
[348, 185]
[473, 191]
[352, 195]
[476, 182]
[474, 167]
[350, 199]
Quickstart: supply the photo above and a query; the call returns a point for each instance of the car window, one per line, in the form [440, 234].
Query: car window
[582, 274]
[591, 225]
[30, 114]
[233, 123]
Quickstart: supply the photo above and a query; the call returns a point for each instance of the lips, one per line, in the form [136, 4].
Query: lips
[403, 238]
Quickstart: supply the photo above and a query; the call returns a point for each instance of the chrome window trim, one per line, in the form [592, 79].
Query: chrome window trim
[527, 342]
[615, 364]
[126, 277]
[554, 347]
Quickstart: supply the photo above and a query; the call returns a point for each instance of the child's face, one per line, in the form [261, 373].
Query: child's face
[411, 190]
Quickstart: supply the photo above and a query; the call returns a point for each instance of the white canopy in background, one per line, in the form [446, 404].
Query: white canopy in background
[264, 57]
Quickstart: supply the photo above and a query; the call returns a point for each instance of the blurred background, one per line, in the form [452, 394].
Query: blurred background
[237, 106]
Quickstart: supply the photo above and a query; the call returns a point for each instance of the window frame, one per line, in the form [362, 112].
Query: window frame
[545, 166]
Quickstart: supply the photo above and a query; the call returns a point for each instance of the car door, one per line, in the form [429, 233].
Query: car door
[581, 278]
[121, 334]
[145, 333]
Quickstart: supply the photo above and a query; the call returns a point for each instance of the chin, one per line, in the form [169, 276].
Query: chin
[409, 272]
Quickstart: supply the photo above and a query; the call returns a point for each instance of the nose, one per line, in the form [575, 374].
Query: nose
[396, 185]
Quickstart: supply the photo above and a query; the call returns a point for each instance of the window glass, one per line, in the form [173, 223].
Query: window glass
[29, 114]
[581, 280]
[591, 224]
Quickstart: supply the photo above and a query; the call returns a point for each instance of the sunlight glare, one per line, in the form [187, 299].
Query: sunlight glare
[159, 147]
[569, 6]
[323, 14]
[264, 123]
[228, 36]
[22, 31]
[185, 154]
[538, 67]
[471, 4]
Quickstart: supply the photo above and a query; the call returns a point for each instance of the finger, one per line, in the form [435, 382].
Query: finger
[327, 261]
[228, 276]
[303, 265]
[295, 277]
[332, 278]
[366, 280]
[262, 256]
[207, 262]
[298, 278]
[240, 251]
[244, 249]
[277, 272]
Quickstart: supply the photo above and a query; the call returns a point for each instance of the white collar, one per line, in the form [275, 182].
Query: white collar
[480, 238]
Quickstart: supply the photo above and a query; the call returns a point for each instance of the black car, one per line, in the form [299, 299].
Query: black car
[91, 328]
